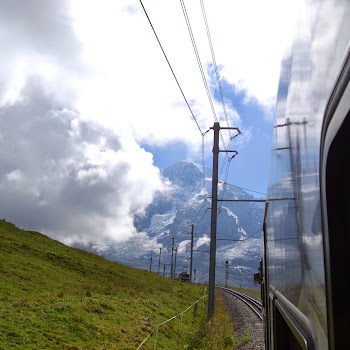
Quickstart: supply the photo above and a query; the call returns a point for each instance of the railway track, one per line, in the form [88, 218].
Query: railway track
[252, 303]
[246, 316]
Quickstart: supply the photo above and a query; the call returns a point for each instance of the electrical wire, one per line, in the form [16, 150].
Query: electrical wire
[189, 28]
[242, 188]
[202, 206]
[202, 71]
[214, 62]
[252, 235]
[224, 182]
[203, 165]
[178, 84]
[243, 240]
[217, 79]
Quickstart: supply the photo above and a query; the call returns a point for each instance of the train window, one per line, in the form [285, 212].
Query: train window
[285, 339]
[291, 332]
[335, 179]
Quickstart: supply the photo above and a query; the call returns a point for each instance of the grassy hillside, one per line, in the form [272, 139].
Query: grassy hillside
[56, 297]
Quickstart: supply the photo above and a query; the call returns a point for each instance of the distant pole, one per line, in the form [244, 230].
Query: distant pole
[191, 261]
[150, 265]
[214, 210]
[164, 270]
[175, 262]
[172, 257]
[160, 253]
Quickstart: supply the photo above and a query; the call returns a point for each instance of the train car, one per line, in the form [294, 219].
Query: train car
[184, 277]
[306, 251]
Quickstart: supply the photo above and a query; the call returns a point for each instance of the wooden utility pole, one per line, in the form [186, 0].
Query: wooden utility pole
[214, 209]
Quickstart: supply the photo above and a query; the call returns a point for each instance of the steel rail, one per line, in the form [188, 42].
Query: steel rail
[249, 301]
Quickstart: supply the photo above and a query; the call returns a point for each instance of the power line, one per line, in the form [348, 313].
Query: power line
[201, 68]
[178, 84]
[198, 58]
[214, 62]
[226, 175]
[243, 240]
[202, 206]
[242, 188]
[217, 78]
[252, 235]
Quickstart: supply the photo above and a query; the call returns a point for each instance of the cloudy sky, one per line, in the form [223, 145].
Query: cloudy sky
[90, 112]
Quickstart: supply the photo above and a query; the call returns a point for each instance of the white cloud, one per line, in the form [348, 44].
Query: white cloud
[205, 240]
[133, 81]
[84, 83]
[56, 178]
[15, 176]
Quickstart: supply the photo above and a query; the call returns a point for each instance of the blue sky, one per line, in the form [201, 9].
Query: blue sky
[250, 168]
[90, 112]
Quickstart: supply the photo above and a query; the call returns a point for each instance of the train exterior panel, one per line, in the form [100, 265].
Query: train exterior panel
[305, 255]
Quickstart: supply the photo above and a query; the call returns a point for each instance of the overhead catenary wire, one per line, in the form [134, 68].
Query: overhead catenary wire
[214, 63]
[242, 188]
[217, 81]
[253, 234]
[174, 75]
[243, 240]
[200, 209]
[189, 28]
[224, 182]
[218, 84]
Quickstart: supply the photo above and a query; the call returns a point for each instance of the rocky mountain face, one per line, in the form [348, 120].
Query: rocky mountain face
[165, 230]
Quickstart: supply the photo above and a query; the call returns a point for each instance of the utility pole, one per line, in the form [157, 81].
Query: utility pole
[175, 262]
[160, 253]
[214, 208]
[150, 265]
[172, 257]
[191, 261]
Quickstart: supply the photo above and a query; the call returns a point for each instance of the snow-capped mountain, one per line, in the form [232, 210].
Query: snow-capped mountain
[167, 224]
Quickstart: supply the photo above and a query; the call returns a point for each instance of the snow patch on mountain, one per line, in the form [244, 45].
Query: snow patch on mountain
[161, 221]
[168, 220]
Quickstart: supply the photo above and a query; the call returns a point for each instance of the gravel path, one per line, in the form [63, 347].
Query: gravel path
[248, 329]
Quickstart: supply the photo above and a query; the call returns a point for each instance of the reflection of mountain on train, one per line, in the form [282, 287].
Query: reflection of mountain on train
[306, 230]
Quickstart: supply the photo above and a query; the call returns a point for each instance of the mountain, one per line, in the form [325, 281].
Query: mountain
[167, 223]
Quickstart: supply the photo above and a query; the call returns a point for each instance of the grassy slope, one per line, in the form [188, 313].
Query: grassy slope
[56, 297]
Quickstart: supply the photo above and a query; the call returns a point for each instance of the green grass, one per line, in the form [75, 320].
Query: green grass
[216, 334]
[56, 297]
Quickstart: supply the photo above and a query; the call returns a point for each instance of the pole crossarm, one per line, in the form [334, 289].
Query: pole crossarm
[258, 200]
[226, 128]
[231, 240]
[227, 150]
[242, 200]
